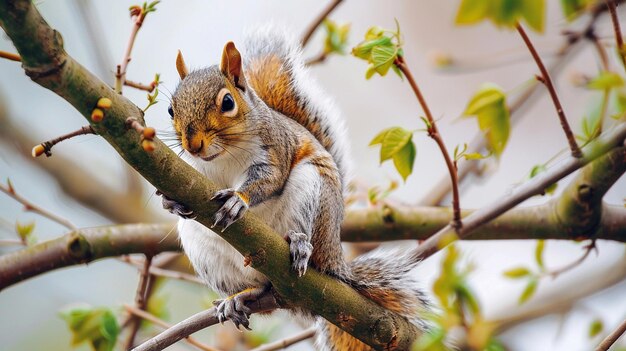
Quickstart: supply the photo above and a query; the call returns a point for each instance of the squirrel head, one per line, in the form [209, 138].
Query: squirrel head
[210, 105]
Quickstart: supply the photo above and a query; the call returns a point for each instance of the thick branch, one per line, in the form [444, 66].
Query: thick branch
[419, 223]
[83, 246]
[45, 61]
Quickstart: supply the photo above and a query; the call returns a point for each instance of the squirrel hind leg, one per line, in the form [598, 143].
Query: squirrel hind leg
[175, 207]
[300, 250]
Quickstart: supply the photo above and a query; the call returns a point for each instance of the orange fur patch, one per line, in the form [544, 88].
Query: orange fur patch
[305, 150]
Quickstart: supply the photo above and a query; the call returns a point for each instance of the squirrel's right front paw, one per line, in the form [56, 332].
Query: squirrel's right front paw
[233, 208]
[175, 207]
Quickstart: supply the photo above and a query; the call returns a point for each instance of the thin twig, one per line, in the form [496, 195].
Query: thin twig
[286, 342]
[29, 206]
[46, 146]
[199, 321]
[545, 78]
[166, 273]
[555, 273]
[317, 59]
[120, 75]
[612, 338]
[146, 87]
[140, 301]
[316, 23]
[10, 56]
[156, 321]
[618, 32]
[433, 132]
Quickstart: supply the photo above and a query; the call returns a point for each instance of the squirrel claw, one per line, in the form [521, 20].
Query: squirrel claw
[300, 251]
[175, 207]
[232, 209]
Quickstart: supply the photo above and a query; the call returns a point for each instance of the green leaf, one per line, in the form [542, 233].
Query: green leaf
[529, 291]
[336, 37]
[24, 230]
[383, 58]
[97, 326]
[595, 328]
[488, 104]
[503, 13]
[606, 80]
[467, 297]
[533, 12]
[472, 11]
[487, 95]
[516, 273]
[393, 142]
[364, 49]
[541, 244]
[404, 160]
[574, 8]
[378, 139]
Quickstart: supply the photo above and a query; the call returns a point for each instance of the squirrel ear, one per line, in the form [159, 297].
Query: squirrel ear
[181, 67]
[231, 64]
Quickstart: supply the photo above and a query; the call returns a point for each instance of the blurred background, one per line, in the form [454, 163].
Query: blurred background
[96, 32]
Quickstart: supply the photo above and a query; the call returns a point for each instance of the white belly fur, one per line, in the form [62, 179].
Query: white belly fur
[214, 259]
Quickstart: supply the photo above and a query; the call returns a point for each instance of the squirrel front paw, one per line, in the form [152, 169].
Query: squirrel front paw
[175, 207]
[300, 250]
[233, 208]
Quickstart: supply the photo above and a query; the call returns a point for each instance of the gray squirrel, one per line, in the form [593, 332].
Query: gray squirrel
[259, 127]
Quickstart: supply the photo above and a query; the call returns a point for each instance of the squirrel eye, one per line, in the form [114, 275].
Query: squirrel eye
[228, 103]
[170, 110]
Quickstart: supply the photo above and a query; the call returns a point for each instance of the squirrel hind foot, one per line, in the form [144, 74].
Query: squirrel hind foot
[234, 307]
[300, 250]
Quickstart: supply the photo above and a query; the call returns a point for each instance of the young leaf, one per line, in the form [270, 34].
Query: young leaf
[606, 80]
[541, 244]
[380, 49]
[336, 37]
[383, 57]
[529, 291]
[595, 328]
[378, 139]
[516, 273]
[472, 11]
[533, 12]
[393, 142]
[573, 8]
[489, 106]
[24, 231]
[98, 326]
[404, 160]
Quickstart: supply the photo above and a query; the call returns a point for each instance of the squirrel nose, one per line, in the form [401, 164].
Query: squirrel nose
[195, 145]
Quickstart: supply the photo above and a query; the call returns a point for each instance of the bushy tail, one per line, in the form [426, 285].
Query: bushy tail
[275, 69]
[382, 276]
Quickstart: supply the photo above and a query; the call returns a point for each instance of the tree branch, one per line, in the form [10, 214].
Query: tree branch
[84, 246]
[619, 40]
[286, 342]
[535, 186]
[612, 338]
[199, 321]
[156, 321]
[45, 61]
[78, 183]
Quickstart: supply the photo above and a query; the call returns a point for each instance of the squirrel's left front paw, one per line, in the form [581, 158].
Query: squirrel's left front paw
[300, 249]
[233, 208]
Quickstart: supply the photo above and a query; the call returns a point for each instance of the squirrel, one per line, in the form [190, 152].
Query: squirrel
[259, 127]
